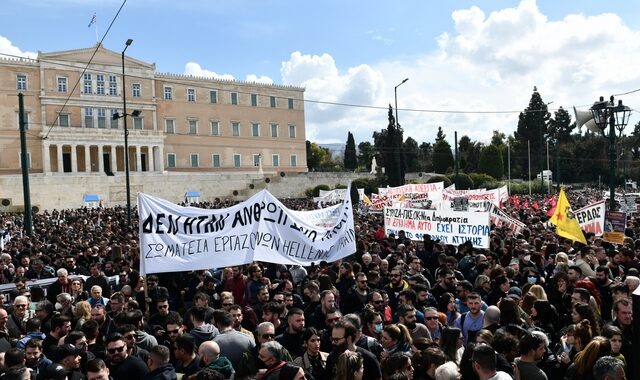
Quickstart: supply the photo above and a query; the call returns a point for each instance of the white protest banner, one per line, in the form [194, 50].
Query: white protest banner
[479, 199]
[591, 218]
[420, 195]
[335, 195]
[451, 227]
[502, 220]
[175, 238]
[324, 217]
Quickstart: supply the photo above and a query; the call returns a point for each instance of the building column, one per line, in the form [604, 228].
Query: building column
[100, 161]
[160, 158]
[59, 154]
[114, 160]
[87, 158]
[46, 159]
[74, 158]
[138, 153]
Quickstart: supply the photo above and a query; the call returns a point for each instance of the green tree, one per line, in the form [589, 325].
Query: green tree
[350, 158]
[411, 151]
[491, 161]
[560, 126]
[532, 129]
[425, 157]
[442, 155]
[365, 155]
[388, 143]
[319, 158]
[498, 138]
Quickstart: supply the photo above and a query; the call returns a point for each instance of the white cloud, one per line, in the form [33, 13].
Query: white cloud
[7, 47]
[489, 63]
[259, 79]
[192, 68]
[320, 76]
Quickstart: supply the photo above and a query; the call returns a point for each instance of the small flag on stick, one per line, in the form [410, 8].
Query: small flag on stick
[566, 224]
[93, 20]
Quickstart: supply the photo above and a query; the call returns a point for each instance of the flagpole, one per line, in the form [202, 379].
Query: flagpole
[97, 39]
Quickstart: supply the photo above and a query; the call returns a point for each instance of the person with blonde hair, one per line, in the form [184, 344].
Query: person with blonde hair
[584, 361]
[81, 314]
[539, 292]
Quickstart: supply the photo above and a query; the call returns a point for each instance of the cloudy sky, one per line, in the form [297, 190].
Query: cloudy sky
[472, 65]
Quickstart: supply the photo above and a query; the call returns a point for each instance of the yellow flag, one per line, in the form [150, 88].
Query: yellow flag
[566, 224]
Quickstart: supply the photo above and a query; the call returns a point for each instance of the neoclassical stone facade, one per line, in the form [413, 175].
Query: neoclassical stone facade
[184, 124]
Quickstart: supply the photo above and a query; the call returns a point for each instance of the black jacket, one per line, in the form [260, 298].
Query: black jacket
[164, 372]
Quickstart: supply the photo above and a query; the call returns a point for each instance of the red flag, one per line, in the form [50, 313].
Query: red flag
[535, 205]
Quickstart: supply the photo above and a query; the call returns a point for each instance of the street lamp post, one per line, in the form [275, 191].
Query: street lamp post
[395, 92]
[616, 117]
[126, 137]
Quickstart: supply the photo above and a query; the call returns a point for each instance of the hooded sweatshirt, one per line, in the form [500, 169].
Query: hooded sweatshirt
[204, 333]
[222, 365]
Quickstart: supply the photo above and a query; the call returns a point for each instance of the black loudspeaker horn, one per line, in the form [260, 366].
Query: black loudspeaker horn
[267, 180]
[251, 186]
[585, 118]
[5, 202]
[282, 174]
[235, 193]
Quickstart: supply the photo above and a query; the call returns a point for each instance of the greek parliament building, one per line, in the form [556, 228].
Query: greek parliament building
[181, 128]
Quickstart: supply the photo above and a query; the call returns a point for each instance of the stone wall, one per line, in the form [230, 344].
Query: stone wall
[67, 190]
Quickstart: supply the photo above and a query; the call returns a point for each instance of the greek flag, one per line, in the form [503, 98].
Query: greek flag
[93, 20]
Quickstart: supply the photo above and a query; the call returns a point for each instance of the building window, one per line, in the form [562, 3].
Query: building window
[28, 160]
[194, 160]
[137, 123]
[193, 127]
[191, 94]
[100, 84]
[27, 117]
[215, 160]
[275, 160]
[169, 126]
[88, 117]
[292, 131]
[114, 122]
[272, 100]
[290, 102]
[113, 85]
[135, 90]
[171, 160]
[21, 82]
[168, 93]
[255, 129]
[254, 100]
[62, 84]
[294, 160]
[102, 118]
[213, 96]
[237, 160]
[88, 89]
[235, 128]
[256, 159]
[215, 128]
[274, 130]
[63, 120]
[234, 98]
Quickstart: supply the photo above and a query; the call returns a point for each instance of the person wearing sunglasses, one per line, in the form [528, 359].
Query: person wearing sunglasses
[158, 321]
[357, 295]
[123, 366]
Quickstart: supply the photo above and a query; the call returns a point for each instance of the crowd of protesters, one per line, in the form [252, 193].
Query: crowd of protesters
[532, 306]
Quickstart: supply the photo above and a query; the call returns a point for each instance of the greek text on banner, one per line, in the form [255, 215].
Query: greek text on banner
[175, 238]
[451, 227]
